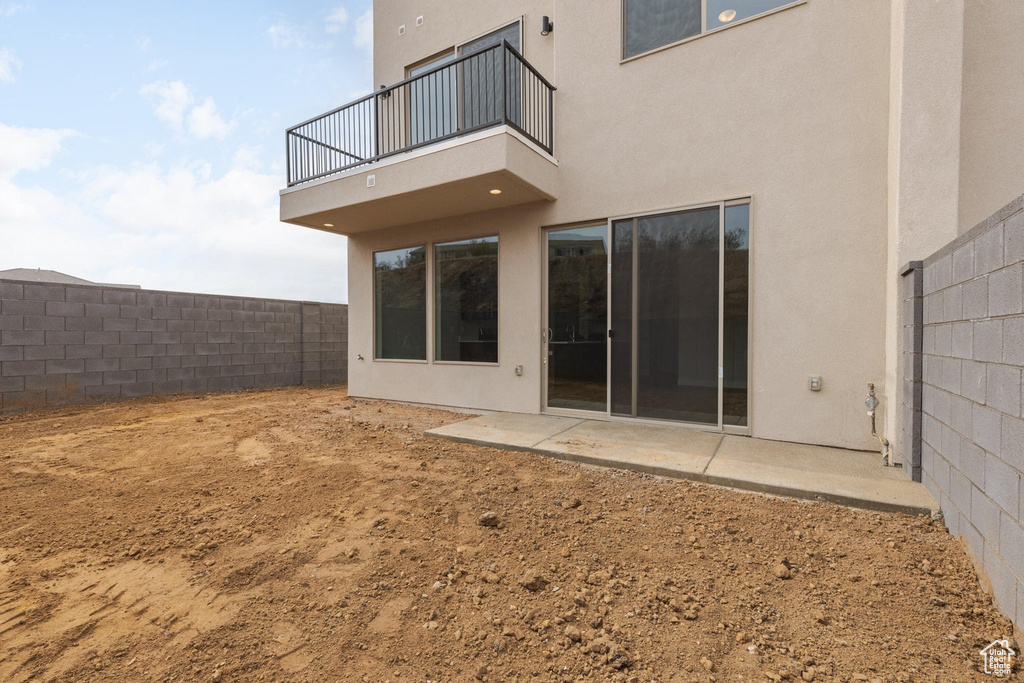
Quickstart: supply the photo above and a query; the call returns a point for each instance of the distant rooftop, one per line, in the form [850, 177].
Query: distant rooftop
[54, 277]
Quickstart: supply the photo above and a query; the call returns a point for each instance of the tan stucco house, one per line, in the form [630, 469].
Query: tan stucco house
[663, 210]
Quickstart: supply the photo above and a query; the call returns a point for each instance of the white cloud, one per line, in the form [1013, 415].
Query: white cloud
[336, 20]
[172, 99]
[284, 35]
[175, 105]
[156, 65]
[204, 121]
[364, 31]
[179, 227]
[9, 9]
[8, 65]
[28, 149]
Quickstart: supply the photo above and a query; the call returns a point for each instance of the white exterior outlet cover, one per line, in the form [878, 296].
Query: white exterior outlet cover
[401, 30]
[371, 180]
[419, 20]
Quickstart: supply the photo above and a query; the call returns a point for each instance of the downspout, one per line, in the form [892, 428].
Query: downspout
[871, 402]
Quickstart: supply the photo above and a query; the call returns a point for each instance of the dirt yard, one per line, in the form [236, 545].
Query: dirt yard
[298, 535]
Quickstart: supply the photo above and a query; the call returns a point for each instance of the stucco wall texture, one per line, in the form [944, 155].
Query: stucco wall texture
[972, 449]
[70, 344]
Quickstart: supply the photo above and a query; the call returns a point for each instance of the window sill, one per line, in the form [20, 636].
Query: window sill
[714, 31]
[421, 361]
[480, 363]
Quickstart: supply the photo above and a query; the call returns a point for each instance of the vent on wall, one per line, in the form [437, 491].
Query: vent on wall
[371, 180]
[419, 20]
[401, 30]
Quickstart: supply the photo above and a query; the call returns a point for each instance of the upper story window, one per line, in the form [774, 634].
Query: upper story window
[651, 24]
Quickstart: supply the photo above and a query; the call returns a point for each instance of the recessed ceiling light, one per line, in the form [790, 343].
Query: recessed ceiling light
[727, 15]
[495, 191]
[328, 225]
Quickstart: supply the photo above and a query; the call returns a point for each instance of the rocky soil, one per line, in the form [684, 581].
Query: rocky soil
[299, 535]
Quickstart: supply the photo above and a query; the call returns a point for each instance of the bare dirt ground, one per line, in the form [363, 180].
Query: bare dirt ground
[298, 535]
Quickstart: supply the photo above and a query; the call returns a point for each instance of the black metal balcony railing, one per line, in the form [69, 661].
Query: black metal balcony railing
[489, 88]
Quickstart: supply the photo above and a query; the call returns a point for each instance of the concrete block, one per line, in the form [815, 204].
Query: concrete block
[985, 515]
[193, 361]
[221, 383]
[102, 364]
[194, 338]
[167, 312]
[952, 303]
[84, 379]
[962, 340]
[181, 326]
[253, 305]
[65, 337]
[987, 429]
[12, 322]
[264, 337]
[104, 338]
[961, 415]
[151, 350]
[988, 340]
[73, 351]
[167, 362]
[136, 364]
[1006, 291]
[219, 359]
[167, 337]
[102, 393]
[1013, 442]
[975, 298]
[1013, 242]
[1011, 543]
[207, 371]
[22, 368]
[938, 406]
[102, 310]
[119, 351]
[254, 369]
[10, 384]
[136, 337]
[181, 300]
[83, 324]
[1002, 484]
[150, 376]
[151, 299]
[231, 304]
[230, 370]
[193, 314]
[179, 374]
[243, 316]
[242, 337]
[19, 307]
[119, 324]
[253, 327]
[167, 387]
[196, 386]
[147, 325]
[972, 462]
[64, 309]
[218, 337]
[12, 353]
[951, 446]
[1004, 388]
[44, 292]
[119, 377]
[120, 297]
[43, 382]
[137, 312]
[136, 390]
[1013, 346]
[207, 326]
[44, 352]
[951, 368]
[988, 251]
[181, 349]
[43, 322]
[959, 489]
[207, 349]
[63, 367]
[254, 348]
[84, 295]
[10, 290]
[207, 302]
[218, 316]
[22, 337]
[263, 317]
[243, 382]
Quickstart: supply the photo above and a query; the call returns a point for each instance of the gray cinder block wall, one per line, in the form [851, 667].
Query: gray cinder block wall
[68, 344]
[971, 365]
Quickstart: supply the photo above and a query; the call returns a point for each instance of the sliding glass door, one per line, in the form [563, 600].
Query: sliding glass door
[670, 292]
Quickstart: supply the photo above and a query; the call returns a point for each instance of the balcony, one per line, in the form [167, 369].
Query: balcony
[432, 146]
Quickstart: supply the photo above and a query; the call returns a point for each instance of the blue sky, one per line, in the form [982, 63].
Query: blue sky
[143, 143]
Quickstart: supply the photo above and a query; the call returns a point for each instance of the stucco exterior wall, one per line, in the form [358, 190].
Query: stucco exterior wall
[992, 113]
[790, 109]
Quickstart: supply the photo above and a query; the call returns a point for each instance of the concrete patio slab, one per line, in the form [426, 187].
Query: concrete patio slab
[655, 449]
[855, 478]
[515, 431]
